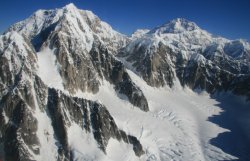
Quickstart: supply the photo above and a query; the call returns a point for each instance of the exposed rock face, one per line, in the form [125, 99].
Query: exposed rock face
[241, 86]
[19, 124]
[92, 116]
[84, 72]
[156, 69]
[19, 132]
[17, 120]
[113, 70]
[76, 67]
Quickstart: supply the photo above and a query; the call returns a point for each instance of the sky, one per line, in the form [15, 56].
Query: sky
[227, 18]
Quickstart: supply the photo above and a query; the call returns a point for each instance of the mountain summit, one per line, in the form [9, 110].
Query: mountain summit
[73, 88]
[178, 25]
[70, 21]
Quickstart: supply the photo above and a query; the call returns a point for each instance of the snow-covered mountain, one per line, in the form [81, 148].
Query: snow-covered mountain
[139, 33]
[180, 50]
[72, 22]
[73, 88]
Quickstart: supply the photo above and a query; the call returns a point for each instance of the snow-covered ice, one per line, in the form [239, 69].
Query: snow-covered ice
[177, 127]
[48, 69]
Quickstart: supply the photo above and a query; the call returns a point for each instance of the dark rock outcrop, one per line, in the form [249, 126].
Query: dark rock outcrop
[111, 69]
[211, 70]
[155, 68]
[18, 134]
[88, 115]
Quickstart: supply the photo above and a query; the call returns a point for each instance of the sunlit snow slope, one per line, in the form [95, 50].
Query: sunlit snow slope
[177, 126]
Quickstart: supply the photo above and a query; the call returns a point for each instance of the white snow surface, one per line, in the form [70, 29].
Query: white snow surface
[45, 133]
[48, 69]
[139, 33]
[15, 40]
[83, 144]
[175, 128]
[85, 147]
[120, 151]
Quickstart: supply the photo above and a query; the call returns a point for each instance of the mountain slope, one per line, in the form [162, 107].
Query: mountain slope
[35, 118]
[181, 50]
[72, 88]
[76, 38]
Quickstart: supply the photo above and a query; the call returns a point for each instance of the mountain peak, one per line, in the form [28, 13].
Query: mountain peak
[70, 6]
[139, 33]
[177, 25]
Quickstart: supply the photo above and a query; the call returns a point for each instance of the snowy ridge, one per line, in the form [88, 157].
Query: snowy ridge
[139, 33]
[16, 40]
[90, 26]
[181, 50]
[185, 36]
[40, 20]
[178, 25]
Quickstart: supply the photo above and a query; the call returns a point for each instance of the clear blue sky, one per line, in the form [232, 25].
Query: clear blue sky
[228, 18]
